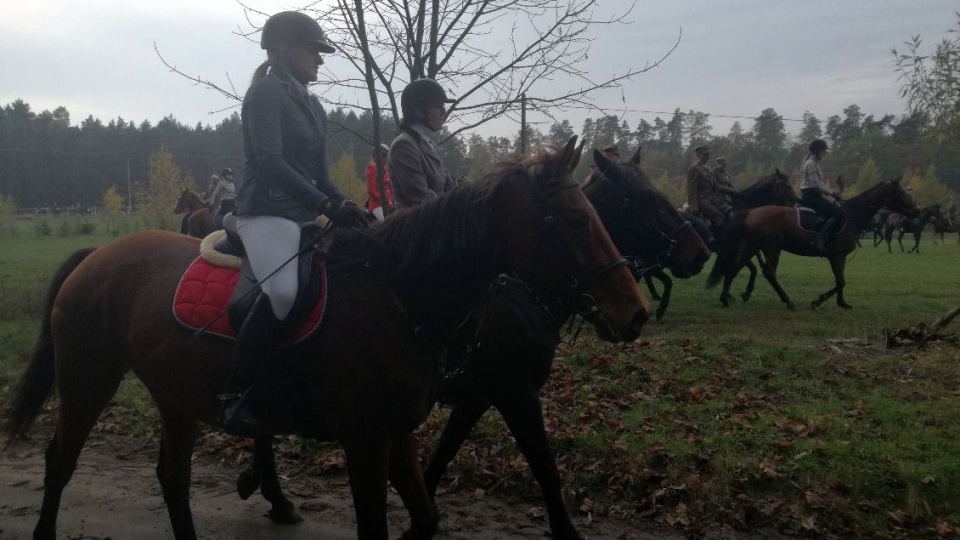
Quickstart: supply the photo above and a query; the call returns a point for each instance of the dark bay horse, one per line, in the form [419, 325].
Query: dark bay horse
[773, 189]
[915, 225]
[651, 242]
[942, 225]
[367, 377]
[512, 336]
[198, 215]
[877, 224]
[773, 229]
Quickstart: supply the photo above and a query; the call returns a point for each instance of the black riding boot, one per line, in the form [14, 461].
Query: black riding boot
[256, 342]
[825, 233]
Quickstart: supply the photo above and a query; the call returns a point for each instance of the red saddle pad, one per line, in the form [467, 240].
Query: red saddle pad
[204, 292]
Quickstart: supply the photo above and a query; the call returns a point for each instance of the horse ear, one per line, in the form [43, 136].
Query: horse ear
[776, 170]
[566, 155]
[577, 154]
[604, 165]
[635, 160]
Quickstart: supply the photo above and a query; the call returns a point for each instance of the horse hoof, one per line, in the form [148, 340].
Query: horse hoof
[792, 307]
[745, 296]
[285, 516]
[815, 305]
[659, 314]
[844, 305]
[247, 484]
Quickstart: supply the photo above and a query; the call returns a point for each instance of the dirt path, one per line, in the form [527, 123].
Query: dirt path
[114, 494]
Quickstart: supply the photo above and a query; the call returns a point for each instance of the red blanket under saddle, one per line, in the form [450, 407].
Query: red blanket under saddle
[205, 290]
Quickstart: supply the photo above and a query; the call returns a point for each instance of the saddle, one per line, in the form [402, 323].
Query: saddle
[310, 273]
[218, 289]
[810, 221]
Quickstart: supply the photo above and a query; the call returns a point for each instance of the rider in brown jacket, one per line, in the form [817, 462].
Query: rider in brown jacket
[700, 189]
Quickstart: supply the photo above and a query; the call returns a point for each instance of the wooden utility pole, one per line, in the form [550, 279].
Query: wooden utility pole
[523, 124]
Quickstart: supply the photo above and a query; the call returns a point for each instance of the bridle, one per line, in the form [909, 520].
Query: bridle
[643, 225]
[577, 282]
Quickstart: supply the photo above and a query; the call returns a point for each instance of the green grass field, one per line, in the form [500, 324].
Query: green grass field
[744, 416]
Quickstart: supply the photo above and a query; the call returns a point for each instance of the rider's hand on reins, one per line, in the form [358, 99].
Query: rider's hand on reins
[344, 213]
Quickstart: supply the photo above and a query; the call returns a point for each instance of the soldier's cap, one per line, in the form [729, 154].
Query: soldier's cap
[702, 149]
[721, 158]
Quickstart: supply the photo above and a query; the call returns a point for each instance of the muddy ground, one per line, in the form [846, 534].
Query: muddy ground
[114, 494]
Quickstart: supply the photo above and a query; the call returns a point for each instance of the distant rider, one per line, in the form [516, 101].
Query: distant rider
[813, 189]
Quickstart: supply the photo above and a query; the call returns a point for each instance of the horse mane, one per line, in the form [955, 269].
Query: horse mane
[759, 188]
[449, 232]
[869, 191]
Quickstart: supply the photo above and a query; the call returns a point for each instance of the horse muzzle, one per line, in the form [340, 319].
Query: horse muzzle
[606, 329]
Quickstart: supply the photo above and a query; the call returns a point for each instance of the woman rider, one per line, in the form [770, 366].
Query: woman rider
[285, 183]
[813, 189]
[417, 170]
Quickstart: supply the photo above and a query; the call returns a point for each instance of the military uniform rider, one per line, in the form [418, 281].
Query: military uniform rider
[722, 186]
[700, 190]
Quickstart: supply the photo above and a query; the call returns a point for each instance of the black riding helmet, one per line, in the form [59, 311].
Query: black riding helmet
[818, 144]
[289, 27]
[421, 93]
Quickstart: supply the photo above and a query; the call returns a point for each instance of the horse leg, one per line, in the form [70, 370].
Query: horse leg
[178, 435]
[770, 273]
[523, 414]
[85, 390]
[367, 458]
[751, 281]
[465, 414]
[262, 473]
[837, 266]
[900, 240]
[407, 479]
[665, 297]
[651, 286]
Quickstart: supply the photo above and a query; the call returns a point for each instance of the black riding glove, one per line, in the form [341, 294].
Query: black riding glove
[344, 213]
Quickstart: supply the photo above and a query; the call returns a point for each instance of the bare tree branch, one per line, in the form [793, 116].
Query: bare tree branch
[487, 53]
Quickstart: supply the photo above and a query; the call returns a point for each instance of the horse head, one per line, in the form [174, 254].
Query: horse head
[188, 201]
[773, 189]
[555, 240]
[896, 198]
[641, 220]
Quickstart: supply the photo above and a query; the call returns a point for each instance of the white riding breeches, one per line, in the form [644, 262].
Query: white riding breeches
[271, 241]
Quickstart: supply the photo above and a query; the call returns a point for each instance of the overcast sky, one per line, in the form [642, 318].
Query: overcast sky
[735, 58]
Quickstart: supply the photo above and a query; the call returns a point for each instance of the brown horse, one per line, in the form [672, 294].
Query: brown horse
[506, 348]
[915, 225]
[773, 229]
[198, 218]
[773, 189]
[941, 226]
[646, 228]
[367, 377]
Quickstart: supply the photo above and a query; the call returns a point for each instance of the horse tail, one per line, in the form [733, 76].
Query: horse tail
[184, 225]
[36, 383]
[729, 248]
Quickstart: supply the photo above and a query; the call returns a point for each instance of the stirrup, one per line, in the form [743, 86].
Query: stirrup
[237, 415]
